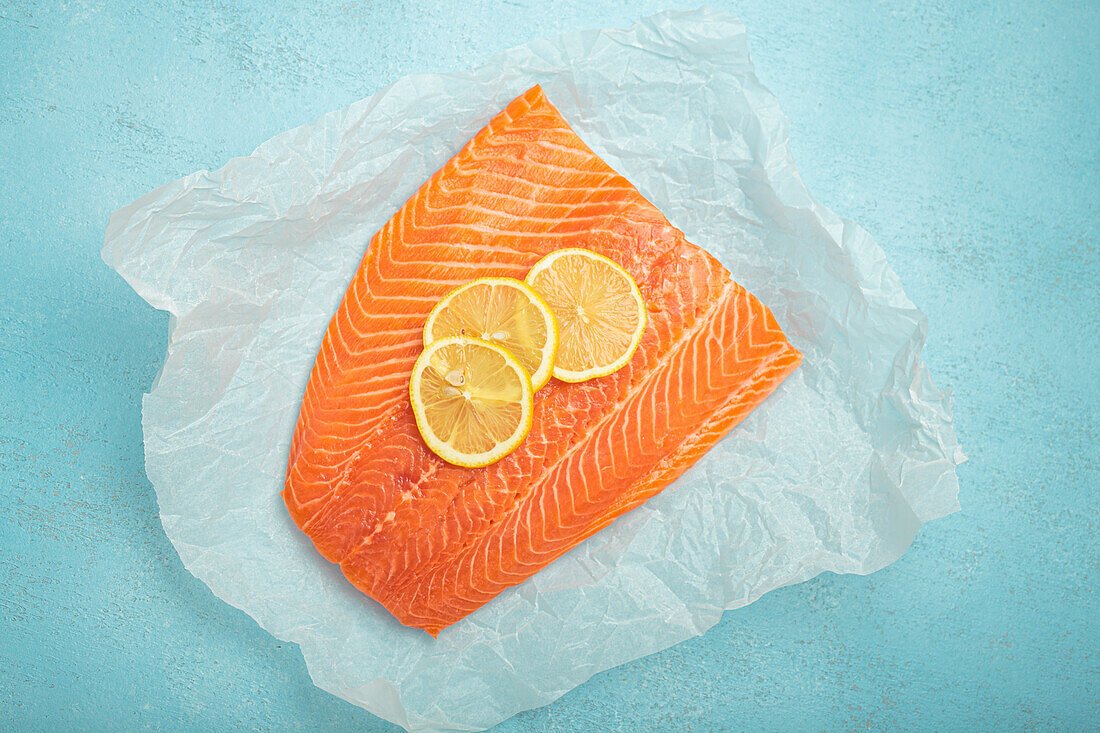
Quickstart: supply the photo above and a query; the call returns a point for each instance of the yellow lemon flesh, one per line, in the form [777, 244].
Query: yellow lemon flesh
[473, 401]
[600, 312]
[502, 311]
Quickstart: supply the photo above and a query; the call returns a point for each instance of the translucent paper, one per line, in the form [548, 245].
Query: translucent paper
[835, 471]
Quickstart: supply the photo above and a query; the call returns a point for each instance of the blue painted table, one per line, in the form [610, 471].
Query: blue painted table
[966, 140]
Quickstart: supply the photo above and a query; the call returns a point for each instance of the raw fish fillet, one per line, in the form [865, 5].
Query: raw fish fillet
[433, 542]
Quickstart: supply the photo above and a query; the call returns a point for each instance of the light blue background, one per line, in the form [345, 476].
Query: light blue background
[964, 138]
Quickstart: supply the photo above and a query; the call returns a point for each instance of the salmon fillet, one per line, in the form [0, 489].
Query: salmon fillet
[433, 542]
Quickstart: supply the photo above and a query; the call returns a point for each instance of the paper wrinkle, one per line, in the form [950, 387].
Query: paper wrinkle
[835, 471]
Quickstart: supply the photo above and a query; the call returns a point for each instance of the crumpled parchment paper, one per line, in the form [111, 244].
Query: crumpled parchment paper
[835, 471]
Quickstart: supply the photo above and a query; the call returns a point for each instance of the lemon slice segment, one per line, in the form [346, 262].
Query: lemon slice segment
[503, 311]
[472, 400]
[600, 312]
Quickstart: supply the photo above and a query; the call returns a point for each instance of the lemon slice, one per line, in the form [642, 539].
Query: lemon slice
[600, 312]
[502, 311]
[472, 400]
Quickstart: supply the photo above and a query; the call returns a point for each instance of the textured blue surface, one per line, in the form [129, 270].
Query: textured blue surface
[965, 139]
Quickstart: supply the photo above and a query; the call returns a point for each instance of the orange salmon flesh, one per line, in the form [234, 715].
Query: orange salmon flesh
[433, 542]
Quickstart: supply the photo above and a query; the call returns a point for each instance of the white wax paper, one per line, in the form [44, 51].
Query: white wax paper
[835, 471]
